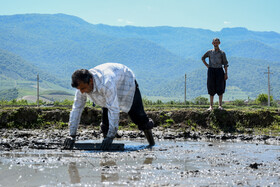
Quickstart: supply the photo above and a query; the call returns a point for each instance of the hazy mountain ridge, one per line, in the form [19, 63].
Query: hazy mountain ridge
[191, 42]
[251, 81]
[160, 56]
[14, 67]
[17, 73]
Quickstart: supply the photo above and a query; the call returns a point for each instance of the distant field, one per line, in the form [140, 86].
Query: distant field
[58, 97]
[47, 98]
[28, 90]
[232, 93]
[50, 92]
[33, 99]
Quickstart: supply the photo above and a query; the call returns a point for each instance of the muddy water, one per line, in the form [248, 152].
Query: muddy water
[181, 163]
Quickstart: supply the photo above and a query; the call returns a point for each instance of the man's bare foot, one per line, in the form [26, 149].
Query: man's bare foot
[221, 108]
[210, 108]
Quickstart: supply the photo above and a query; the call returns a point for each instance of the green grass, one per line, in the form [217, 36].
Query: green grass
[273, 130]
[56, 92]
[164, 99]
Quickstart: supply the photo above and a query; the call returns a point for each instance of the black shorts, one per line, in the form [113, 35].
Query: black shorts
[136, 113]
[216, 83]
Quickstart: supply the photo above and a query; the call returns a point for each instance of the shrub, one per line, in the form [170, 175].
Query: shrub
[263, 98]
[201, 100]
[238, 102]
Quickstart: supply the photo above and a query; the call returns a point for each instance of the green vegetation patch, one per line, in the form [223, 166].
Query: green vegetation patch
[9, 94]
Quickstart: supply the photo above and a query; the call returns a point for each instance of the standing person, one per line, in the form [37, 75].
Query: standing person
[113, 87]
[216, 76]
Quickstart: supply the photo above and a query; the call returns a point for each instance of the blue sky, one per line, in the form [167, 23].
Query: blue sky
[257, 15]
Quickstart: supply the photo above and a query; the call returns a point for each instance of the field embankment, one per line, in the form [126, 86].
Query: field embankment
[181, 120]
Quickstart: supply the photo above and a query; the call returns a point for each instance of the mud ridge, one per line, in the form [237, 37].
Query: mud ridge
[225, 120]
[53, 139]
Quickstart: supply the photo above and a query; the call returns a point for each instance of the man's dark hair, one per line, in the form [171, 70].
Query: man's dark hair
[216, 39]
[80, 75]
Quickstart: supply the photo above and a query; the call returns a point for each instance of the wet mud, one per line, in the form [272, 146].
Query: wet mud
[35, 158]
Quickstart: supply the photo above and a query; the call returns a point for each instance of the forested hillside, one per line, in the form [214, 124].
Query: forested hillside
[246, 78]
[18, 77]
[14, 67]
[56, 45]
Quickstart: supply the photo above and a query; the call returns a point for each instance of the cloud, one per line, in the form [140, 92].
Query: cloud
[120, 20]
[127, 22]
[227, 22]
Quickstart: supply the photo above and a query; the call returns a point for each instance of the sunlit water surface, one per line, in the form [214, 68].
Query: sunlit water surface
[181, 163]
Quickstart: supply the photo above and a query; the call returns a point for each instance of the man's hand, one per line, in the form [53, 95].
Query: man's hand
[69, 142]
[205, 63]
[106, 143]
[226, 77]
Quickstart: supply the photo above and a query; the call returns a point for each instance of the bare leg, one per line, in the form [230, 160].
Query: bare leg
[220, 101]
[211, 102]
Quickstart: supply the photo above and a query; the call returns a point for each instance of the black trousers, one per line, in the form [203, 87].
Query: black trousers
[216, 83]
[136, 113]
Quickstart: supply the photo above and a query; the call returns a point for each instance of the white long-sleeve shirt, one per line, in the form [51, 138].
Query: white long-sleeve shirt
[113, 88]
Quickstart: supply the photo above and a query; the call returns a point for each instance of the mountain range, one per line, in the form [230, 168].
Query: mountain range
[55, 45]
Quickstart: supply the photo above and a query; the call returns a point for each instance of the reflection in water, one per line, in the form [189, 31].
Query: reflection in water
[148, 161]
[109, 177]
[174, 163]
[74, 173]
[109, 172]
[135, 147]
[107, 163]
[135, 174]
